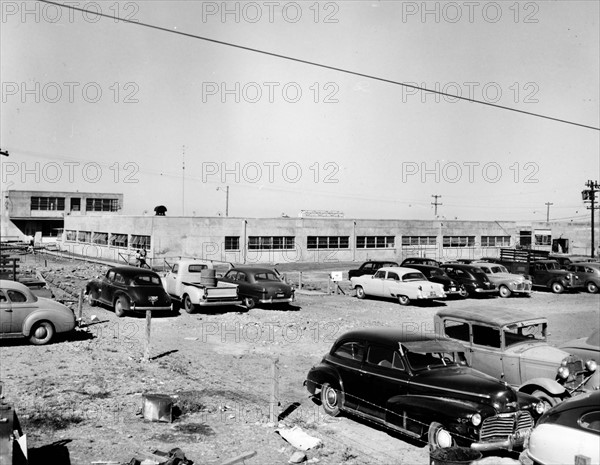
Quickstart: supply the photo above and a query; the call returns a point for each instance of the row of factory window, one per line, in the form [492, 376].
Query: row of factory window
[58, 204]
[113, 239]
[362, 242]
[289, 242]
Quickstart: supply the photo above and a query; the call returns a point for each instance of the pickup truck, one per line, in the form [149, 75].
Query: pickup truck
[544, 272]
[192, 284]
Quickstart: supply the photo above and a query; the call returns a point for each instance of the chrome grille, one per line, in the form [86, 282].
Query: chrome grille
[505, 425]
[576, 372]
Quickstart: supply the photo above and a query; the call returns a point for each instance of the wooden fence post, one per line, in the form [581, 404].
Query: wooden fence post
[80, 308]
[148, 324]
[274, 404]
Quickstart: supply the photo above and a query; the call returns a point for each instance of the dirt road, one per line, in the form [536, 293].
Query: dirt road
[80, 398]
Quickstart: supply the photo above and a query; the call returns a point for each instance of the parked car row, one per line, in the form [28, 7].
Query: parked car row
[476, 278]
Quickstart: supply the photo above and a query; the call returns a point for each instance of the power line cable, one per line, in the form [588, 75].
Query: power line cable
[319, 65]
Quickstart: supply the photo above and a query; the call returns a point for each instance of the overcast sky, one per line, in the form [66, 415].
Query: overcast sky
[93, 104]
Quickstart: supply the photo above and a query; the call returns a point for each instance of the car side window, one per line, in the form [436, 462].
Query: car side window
[486, 336]
[384, 357]
[591, 421]
[111, 275]
[16, 296]
[380, 274]
[241, 277]
[393, 276]
[350, 350]
[119, 279]
[231, 275]
[367, 266]
[457, 330]
[176, 268]
[589, 270]
[3, 297]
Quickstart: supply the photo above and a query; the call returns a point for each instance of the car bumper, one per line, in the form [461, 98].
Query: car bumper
[157, 309]
[281, 300]
[506, 444]
[218, 303]
[478, 290]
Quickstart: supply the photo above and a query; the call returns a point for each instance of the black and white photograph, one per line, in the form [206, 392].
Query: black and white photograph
[356, 232]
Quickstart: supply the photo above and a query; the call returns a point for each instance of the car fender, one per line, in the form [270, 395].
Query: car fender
[323, 374]
[93, 287]
[194, 292]
[122, 294]
[60, 322]
[546, 384]
[425, 409]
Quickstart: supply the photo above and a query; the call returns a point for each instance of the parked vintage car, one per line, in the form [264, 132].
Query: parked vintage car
[511, 344]
[23, 314]
[437, 275]
[422, 387]
[587, 274]
[128, 288]
[490, 260]
[369, 268]
[419, 261]
[566, 431]
[475, 281]
[259, 286]
[403, 284]
[587, 348]
[507, 283]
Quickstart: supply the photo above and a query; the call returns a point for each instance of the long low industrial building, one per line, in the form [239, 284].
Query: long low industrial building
[280, 240]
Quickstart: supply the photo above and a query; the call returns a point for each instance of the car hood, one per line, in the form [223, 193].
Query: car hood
[467, 384]
[538, 360]
[506, 277]
[581, 343]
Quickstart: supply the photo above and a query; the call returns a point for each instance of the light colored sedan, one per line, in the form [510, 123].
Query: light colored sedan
[23, 314]
[403, 284]
[506, 282]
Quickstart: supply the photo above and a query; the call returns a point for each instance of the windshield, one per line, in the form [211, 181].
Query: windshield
[552, 266]
[517, 334]
[499, 269]
[479, 273]
[414, 277]
[146, 280]
[431, 360]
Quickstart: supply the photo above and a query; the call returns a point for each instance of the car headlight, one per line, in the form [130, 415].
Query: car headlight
[563, 372]
[540, 407]
[569, 276]
[591, 365]
[476, 419]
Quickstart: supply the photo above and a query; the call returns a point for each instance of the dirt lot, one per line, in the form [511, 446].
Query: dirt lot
[80, 398]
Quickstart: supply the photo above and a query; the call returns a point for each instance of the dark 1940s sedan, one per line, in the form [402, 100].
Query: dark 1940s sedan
[128, 288]
[422, 387]
[369, 268]
[259, 285]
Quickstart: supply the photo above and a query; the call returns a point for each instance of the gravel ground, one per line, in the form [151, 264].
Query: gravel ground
[80, 398]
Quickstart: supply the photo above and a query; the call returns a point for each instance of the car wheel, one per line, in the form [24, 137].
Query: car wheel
[93, 298]
[249, 303]
[403, 300]
[41, 333]
[438, 436]
[547, 399]
[360, 292]
[121, 307]
[557, 287]
[187, 304]
[463, 292]
[331, 399]
[505, 292]
[591, 287]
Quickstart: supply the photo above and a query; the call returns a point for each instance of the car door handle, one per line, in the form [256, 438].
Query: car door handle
[8, 311]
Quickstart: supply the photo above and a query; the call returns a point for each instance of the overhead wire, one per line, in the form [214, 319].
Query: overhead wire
[319, 65]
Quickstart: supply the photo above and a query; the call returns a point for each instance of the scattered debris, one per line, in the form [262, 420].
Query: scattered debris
[298, 438]
[157, 407]
[297, 457]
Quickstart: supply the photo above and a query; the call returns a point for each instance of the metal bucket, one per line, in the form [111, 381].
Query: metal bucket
[453, 456]
[157, 407]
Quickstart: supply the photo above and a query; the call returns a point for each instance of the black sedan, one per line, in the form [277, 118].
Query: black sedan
[437, 275]
[128, 288]
[259, 285]
[408, 262]
[369, 268]
[474, 280]
[421, 387]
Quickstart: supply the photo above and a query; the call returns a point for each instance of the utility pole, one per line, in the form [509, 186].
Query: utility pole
[183, 182]
[226, 199]
[548, 211]
[589, 195]
[436, 203]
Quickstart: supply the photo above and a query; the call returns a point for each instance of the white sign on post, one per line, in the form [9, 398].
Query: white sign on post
[336, 276]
